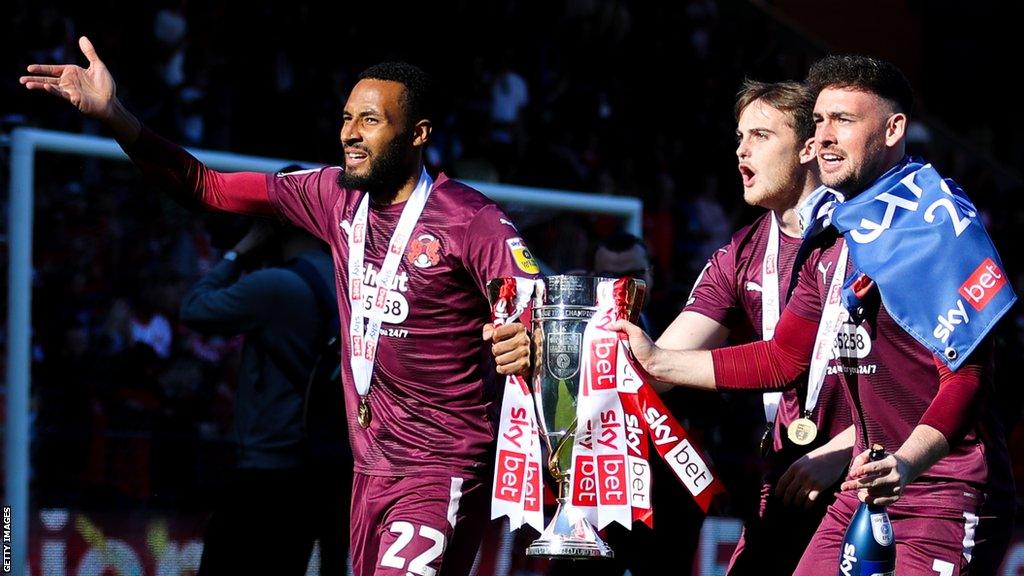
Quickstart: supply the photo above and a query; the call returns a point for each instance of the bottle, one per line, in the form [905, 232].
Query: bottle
[869, 547]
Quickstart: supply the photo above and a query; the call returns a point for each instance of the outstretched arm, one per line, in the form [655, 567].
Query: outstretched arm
[690, 331]
[765, 365]
[92, 90]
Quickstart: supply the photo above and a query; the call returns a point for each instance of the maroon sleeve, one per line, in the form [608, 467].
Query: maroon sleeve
[492, 249]
[194, 185]
[714, 292]
[956, 402]
[307, 199]
[768, 364]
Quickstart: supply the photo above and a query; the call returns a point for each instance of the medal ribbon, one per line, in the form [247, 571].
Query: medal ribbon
[770, 306]
[365, 302]
[833, 316]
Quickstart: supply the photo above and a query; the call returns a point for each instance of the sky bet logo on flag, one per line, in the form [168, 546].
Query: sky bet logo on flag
[983, 284]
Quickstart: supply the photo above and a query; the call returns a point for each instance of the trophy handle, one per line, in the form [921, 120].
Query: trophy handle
[553, 467]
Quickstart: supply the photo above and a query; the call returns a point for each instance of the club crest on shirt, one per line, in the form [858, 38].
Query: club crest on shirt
[521, 254]
[424, 251]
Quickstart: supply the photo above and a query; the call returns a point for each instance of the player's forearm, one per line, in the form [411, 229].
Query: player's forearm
[125, 125]
[954, 408]
[689, 331]
[769, 364]
[921, 450]
[843, 441]
[687, 368]
[190, 182]
[693, 331]
[839, 449]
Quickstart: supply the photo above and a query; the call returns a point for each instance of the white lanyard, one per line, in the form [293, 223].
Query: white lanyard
[364, 340]
[833, 316]
[770, 305]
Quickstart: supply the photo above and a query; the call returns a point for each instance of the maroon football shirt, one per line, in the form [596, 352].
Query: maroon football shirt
[433, 394]
[729, 292]
[434, 389]
[892, 379]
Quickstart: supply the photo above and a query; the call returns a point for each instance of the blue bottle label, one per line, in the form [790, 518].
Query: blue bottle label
[881, 529]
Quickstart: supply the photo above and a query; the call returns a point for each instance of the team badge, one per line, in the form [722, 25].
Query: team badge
[424, 251]
[521, 254]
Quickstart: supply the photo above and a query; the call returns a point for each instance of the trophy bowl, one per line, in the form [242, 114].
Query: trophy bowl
[562, 306]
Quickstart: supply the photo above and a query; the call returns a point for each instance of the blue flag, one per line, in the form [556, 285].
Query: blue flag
[920, 239]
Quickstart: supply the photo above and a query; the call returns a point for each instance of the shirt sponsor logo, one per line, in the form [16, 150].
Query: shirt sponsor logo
[396, 306]
[852, 341]
[424, 251]
[521, 254]
[986, 281]
[864, 369]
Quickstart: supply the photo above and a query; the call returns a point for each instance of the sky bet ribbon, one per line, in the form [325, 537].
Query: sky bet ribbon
[517, 490]
[619, 412]
[921, 240]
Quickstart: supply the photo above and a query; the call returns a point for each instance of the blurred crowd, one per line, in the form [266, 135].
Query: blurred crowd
[131, 408]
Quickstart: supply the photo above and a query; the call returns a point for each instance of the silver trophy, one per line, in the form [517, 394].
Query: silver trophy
[562, 306]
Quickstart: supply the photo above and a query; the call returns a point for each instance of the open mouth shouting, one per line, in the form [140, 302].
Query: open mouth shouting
[748, 174]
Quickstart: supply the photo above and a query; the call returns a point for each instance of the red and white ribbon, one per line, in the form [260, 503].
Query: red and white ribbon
[618, 411]
[518, 492]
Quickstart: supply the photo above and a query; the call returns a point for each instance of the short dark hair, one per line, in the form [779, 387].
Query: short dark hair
[622, 242]
[790, 98]
[862, 73]
[419, 86]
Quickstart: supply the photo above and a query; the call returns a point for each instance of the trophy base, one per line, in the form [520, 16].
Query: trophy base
[569, 536]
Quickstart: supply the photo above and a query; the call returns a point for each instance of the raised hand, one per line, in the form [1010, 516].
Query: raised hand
[91, 90]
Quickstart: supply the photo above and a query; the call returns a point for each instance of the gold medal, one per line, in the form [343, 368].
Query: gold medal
[364, 416]
[802, 431]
